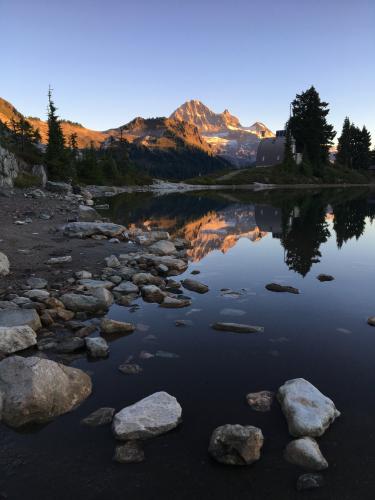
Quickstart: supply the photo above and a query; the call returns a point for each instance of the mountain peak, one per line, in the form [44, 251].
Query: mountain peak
[197, 113]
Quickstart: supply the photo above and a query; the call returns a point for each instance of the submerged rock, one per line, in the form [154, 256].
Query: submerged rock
[110, 326]
[195, 286]
[16, 338]
[237, 328]
[305, 452]
[325, 277]
[102, 416]
[260, 401]
[309, 481]
[36, 390]
[150, 417]
[307, 411]
[371, 321]
[97, 347]
[236, 444]
[130, 369]
[129, 453]
[275, 287]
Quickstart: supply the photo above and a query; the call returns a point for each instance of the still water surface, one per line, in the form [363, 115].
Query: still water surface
[240, 241]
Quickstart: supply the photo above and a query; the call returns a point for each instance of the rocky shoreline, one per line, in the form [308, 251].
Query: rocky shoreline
[54, 312]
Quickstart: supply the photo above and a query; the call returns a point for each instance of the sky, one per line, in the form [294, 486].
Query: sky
[110, 61]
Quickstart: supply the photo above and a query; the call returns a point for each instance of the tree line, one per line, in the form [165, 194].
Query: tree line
[313, 136]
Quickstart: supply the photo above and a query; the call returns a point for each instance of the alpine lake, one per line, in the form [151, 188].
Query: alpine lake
[239, 242]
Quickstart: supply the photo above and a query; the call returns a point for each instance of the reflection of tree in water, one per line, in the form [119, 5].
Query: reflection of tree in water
[303, 235]
[350, 219]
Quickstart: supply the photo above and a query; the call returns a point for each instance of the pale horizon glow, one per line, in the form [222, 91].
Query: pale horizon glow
[109, 62]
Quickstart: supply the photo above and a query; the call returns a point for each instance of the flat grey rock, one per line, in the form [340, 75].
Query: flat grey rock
[86, 229]
[126, 287]
[20, 317]
[307, 411]
[150, 417]
[163, 247]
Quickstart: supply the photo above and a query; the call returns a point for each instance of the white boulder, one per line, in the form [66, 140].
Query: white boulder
[150, 417]
[307, 411]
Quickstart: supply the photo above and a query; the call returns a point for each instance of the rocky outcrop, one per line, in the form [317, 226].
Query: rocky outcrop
[150, 417]
[36, 390]
[9, 168]
[307, 411]
[236, 444]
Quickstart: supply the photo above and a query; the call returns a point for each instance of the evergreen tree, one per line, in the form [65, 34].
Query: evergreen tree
[309, 127]
[55, 153]
[344, 156]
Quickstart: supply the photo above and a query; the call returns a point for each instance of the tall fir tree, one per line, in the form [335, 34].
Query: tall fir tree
[344, 156]
[55, 153]
[310, 129]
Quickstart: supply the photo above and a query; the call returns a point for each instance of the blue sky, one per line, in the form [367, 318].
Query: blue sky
[109, 61]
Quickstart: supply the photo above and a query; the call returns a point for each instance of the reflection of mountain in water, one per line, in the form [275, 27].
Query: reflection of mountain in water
[220, 230]
[217, 221]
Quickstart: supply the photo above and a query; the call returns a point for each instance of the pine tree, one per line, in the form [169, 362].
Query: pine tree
[344, 155]
[310, 129]
[55, 152]
[365, 149]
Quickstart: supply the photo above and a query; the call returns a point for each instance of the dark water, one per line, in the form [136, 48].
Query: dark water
[240, 241]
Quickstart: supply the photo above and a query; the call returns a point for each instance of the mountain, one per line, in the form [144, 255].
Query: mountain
[204, 119]
[165, 147]
[224, 132]
[85, 136]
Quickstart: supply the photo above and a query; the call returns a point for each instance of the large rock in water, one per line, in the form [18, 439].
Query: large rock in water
[307, 411]
[86, 229]
[16, 338]
[236, 444]
[35, 390]
[150, 417]
[4, 264]
[20, 317]
[194, 286]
